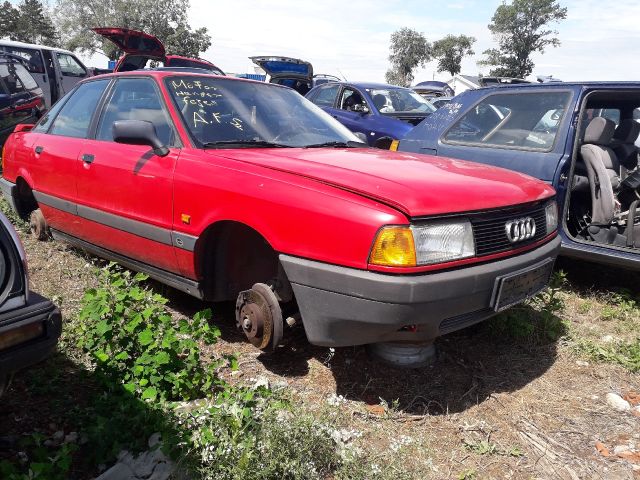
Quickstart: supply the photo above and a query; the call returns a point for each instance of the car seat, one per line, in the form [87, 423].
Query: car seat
[624, 146]
[351, 101]
[380, 101]
[607, 223]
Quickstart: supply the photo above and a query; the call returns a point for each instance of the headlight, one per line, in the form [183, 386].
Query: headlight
[551, 213]
[436, 242]
[443, 241]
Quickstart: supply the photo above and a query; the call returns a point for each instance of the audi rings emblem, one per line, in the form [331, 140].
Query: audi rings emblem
[520, 229]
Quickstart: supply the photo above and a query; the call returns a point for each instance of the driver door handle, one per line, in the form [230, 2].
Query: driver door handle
[88, 158]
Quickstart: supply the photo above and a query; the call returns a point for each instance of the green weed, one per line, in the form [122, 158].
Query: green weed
[41, 462]
[621, 353]
[129, 334]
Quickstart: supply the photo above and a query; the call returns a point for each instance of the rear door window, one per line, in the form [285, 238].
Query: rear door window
[326, 96]
[527, 121]
[25, 77]
[75, 116]
[135, 99]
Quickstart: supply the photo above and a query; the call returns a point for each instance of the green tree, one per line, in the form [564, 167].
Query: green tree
[166, 19]
[409, 49]
[28, 22]
[8, 18]
[522, 28]
[450, 51]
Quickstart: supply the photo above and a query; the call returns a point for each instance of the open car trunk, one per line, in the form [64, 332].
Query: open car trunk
[287, 71]
[139, 48]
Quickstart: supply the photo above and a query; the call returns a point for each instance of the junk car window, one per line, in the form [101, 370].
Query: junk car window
[326, 96]
[33, 57]
[399, 100]
[135, 99]
[525, 120]
[45, 122]
[75, 116]
[220, 110]
[25, 77]
[70, 66]
[10, 79]
[350, 98]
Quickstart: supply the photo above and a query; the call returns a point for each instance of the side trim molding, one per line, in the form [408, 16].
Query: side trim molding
[55, 202]
[187, 285]
[135, 227]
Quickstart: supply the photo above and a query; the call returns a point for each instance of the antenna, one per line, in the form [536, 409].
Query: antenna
[342, 74]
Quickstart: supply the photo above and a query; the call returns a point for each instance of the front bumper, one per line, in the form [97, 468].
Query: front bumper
[344, 306]
[37, 310]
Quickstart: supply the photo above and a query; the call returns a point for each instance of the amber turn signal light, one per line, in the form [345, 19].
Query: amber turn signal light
[393, 247]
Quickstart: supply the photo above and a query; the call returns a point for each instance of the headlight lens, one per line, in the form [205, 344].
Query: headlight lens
[443, 241]
[436, 242]
[551, 211]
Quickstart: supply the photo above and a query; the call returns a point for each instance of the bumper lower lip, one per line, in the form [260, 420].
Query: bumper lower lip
[344, 306]
[37, 310]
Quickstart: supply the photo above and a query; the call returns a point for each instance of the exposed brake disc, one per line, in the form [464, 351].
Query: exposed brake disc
[259, 316]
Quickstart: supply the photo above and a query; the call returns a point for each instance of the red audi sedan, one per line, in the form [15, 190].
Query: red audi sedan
[230, 189]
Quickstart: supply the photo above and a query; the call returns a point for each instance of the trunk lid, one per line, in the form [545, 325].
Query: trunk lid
[133, 41]
[284, 67]
[417, 185]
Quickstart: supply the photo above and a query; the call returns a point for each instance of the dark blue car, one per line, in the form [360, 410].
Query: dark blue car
[580, 137]
[381, 112]
[21, 100]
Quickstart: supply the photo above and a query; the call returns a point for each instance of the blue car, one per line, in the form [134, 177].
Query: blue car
[382, 113]
[580, 137]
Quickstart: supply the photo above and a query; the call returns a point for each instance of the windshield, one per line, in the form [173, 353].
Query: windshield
[399, 100]
[219, 110]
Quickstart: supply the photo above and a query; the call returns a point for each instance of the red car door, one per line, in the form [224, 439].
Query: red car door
[55, 144]
[125, 191]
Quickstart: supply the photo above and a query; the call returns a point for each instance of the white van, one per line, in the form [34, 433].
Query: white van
[55, 70]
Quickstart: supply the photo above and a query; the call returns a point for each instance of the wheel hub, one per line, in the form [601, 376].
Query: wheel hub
[259, 316]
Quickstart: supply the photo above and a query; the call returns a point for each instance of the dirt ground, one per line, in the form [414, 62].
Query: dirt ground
[491, 406]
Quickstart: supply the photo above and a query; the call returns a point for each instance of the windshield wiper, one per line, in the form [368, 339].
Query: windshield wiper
[348, 144]
[243, 144]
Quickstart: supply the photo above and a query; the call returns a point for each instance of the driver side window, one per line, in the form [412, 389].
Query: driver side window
[135, 99]
[351, 100]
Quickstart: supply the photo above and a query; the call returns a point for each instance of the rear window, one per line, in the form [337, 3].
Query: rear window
[512, 120]
[10, 79]
[33, 57]
[25, 77]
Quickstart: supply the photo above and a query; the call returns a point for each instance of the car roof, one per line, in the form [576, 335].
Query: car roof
[160, 74]
[560, 85]
[11, 43]
[368, 85]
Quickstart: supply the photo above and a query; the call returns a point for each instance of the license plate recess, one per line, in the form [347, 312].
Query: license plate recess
[518, 286]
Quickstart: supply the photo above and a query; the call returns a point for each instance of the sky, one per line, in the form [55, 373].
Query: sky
[599, 38]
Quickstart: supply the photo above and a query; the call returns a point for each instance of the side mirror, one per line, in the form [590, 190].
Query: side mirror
[139, 132]
[361, 108]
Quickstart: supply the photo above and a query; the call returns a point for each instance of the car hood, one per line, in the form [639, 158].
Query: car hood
[133, 41]
[417, 185]
[284, 67]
